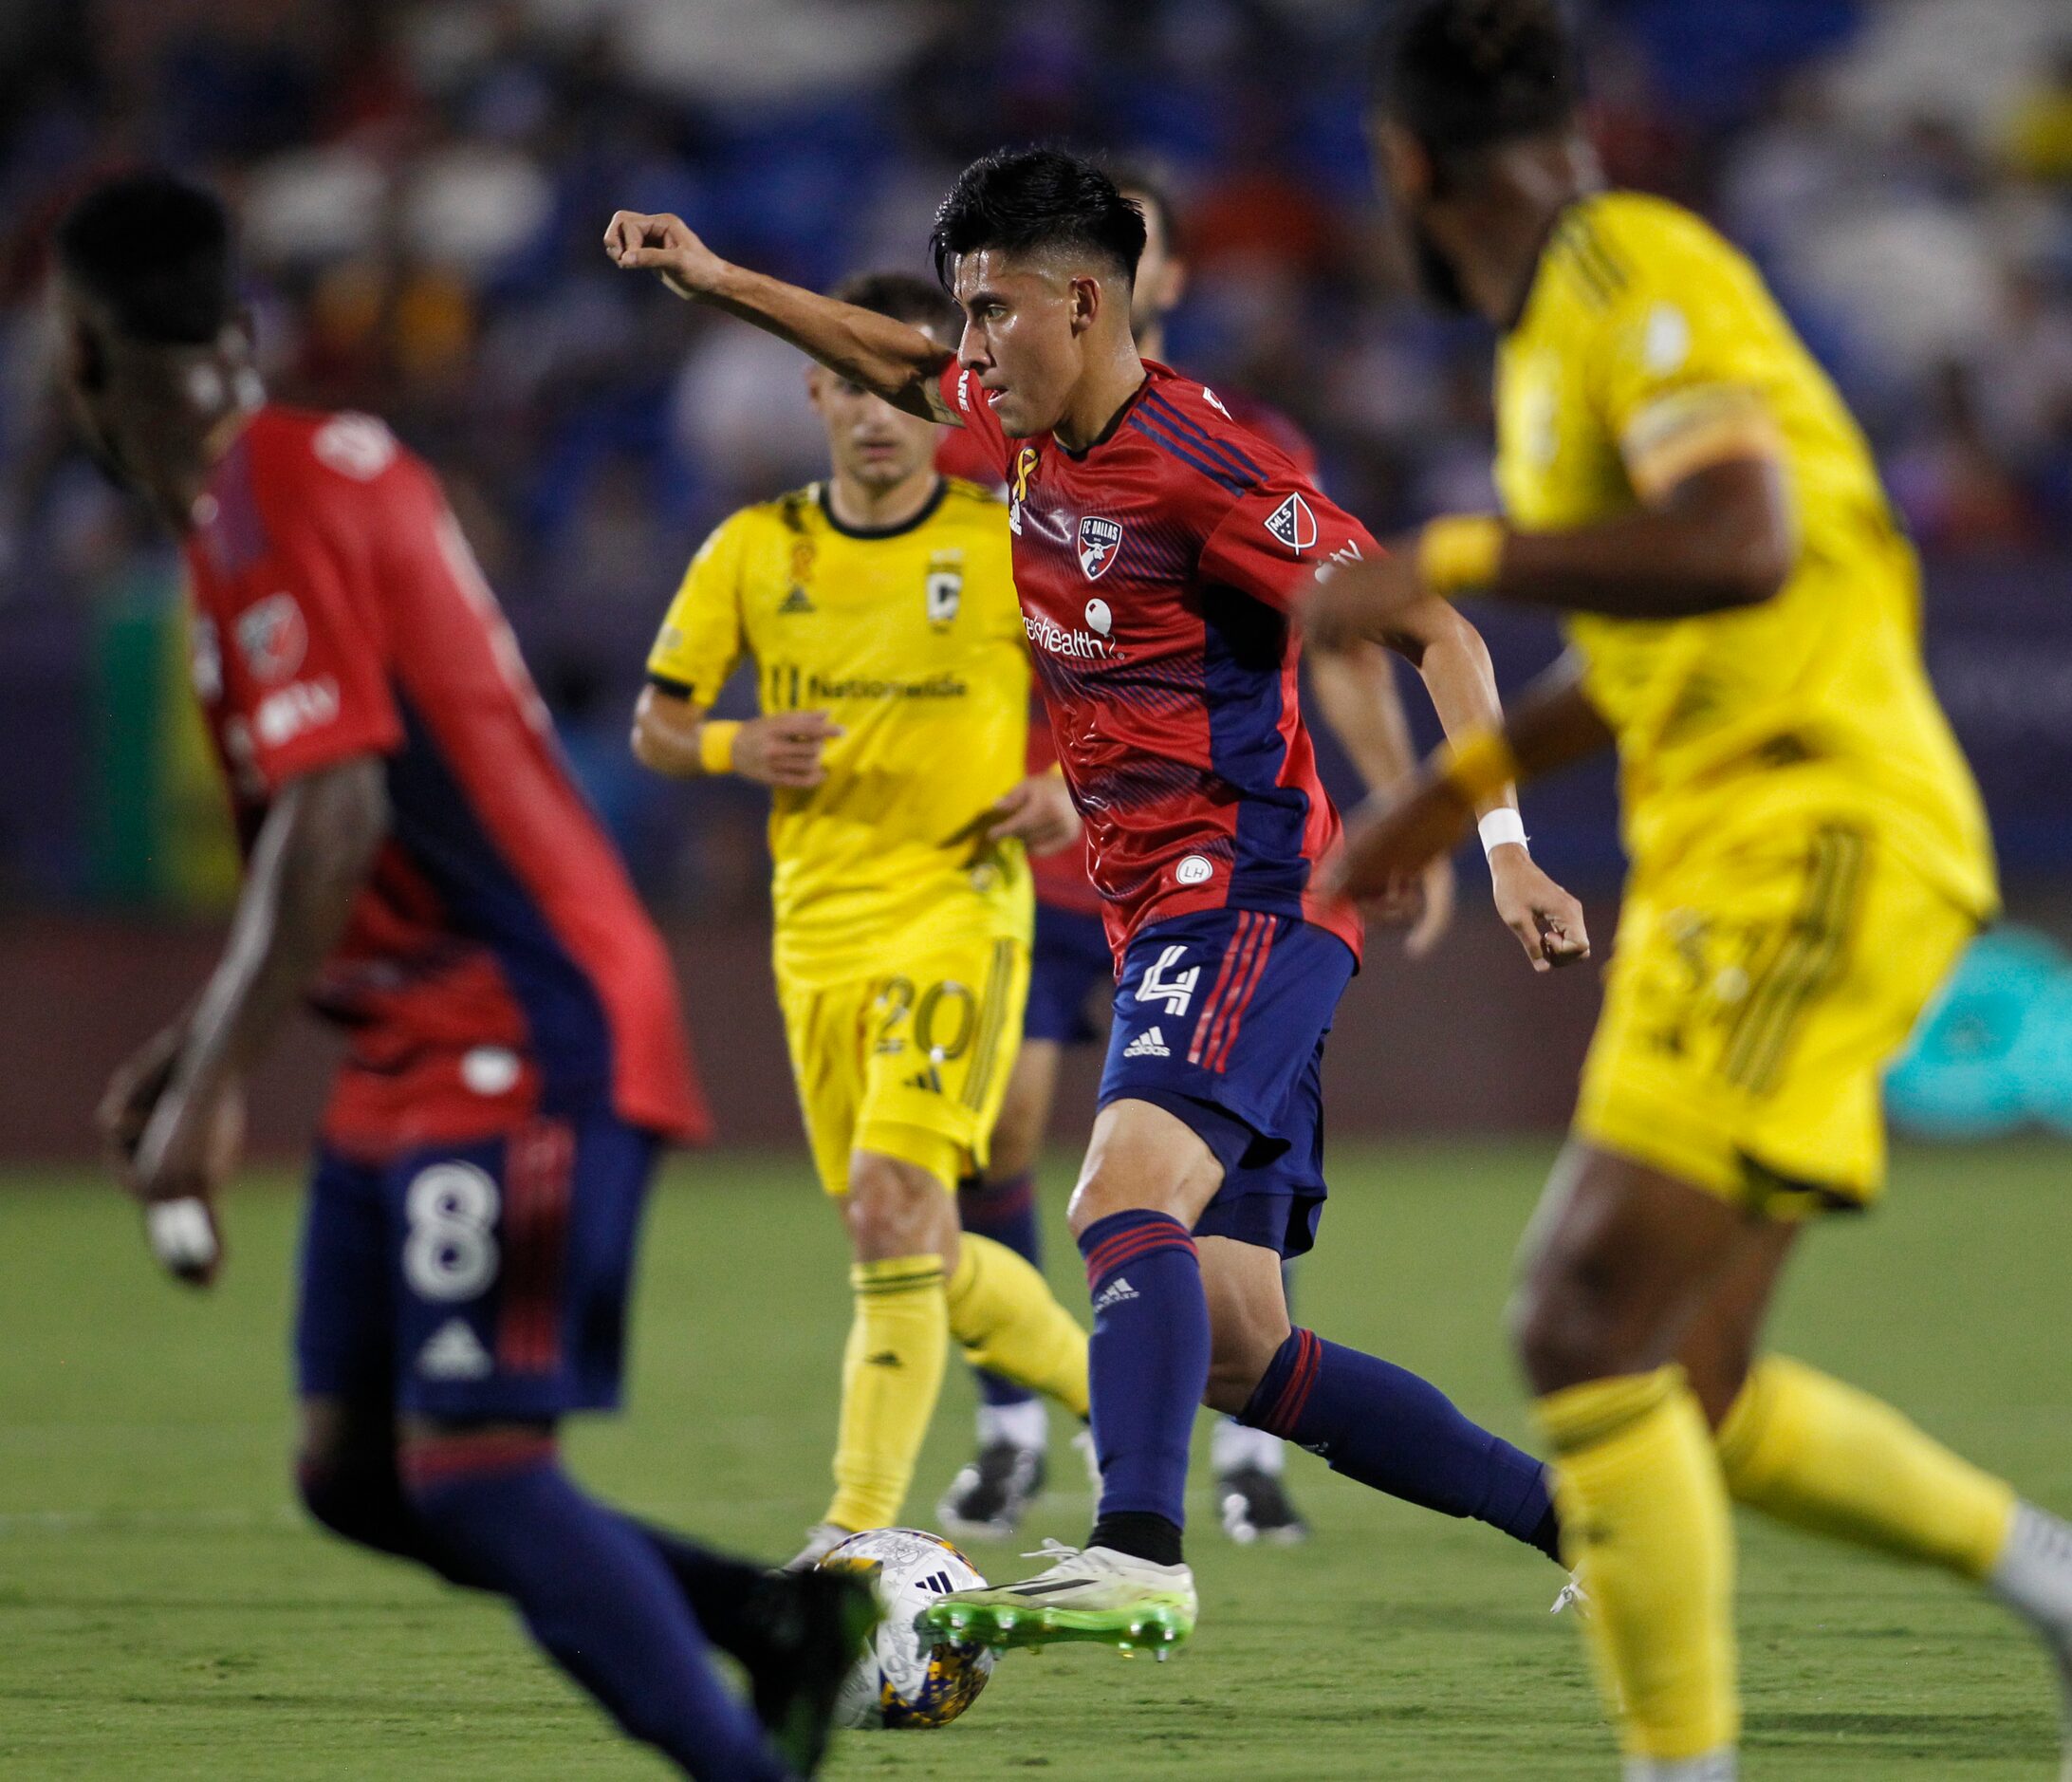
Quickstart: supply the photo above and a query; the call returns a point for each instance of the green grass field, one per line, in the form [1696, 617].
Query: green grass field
[164, 1611]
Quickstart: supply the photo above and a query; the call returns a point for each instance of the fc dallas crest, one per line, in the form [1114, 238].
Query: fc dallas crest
[1099, 540]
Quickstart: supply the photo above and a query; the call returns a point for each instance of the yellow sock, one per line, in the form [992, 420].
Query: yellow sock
[891, 1376]
[1811, 1451]
[1644, 1520]
[1008, 1321]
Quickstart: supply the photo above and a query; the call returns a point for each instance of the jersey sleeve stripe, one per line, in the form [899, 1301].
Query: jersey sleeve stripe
[1221, 450]
[1152, 431]
[669, 684]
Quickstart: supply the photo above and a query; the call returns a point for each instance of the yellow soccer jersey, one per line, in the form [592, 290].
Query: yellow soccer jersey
[911, 642]
[1649, 346]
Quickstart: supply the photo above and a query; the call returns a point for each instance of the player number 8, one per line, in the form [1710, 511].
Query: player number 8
[451, 1251]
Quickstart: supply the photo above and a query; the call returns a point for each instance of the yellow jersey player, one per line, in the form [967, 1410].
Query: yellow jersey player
[1808, 857]
[881, 611]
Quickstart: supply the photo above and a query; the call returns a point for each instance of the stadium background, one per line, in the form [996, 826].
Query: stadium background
[422, 188]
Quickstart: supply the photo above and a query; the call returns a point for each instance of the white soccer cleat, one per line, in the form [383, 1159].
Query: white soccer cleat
[821, 1540]
[2033, 1576]
[1573, 1596]
[1098, 1594]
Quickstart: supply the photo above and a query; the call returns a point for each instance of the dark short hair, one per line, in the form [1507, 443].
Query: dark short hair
[154, 250]
[1460, 75]
[903, 296]
[1020, 200]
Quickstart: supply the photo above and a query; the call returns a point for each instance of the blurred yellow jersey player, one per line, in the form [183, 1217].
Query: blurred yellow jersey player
[1808, 857]
[1808, 849]
[892, 667]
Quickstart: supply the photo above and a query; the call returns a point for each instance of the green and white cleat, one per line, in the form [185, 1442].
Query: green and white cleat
[1112, 1599]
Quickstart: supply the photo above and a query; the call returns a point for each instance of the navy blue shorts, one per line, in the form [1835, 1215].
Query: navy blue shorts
[1071, 956]
[1220, 1019]
[475, 1282]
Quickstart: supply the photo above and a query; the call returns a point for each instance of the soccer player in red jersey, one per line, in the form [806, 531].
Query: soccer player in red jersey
[1158, 548]
[1356, 691]
[419, 863]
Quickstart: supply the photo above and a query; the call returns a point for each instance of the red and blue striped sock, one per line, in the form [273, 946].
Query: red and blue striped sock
[1004, 1211]
[1149, 1363]
[594, 1591]
[1384, 1426]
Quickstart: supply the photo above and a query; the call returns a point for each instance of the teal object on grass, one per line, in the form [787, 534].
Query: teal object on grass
[1995, 1048]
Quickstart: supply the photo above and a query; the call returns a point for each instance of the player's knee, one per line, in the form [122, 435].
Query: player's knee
[893, 1207]
[1120, 1181]
[1566, 1326]
[1233, 1376]
[352, 1494]
[1104, 1190]
[1142, 1158]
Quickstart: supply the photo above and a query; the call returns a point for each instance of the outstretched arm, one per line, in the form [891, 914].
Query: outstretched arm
[311, 858]
[1553, 724]
[1451, 656]
[890, 358]
[1717, 538]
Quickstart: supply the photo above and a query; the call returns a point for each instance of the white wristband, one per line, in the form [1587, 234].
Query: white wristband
[1500, 826]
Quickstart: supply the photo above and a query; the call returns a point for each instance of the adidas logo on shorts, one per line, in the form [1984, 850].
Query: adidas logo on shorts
[453, 1352]
[1115, 1293]
[1149, 1044]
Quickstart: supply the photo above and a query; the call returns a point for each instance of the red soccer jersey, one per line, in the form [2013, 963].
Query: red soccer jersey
[1060, 879]
[498, 964]
[1156, 574]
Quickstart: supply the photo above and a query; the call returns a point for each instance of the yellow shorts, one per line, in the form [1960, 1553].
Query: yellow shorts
[912, 1063]
[1753, 1001]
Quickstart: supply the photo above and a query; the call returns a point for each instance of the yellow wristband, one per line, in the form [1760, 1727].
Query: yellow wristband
[715, 744]
[1458, 552]
[1479, 766]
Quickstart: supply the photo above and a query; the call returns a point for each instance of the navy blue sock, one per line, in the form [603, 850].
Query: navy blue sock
[594, 1591]
[1386, 1427]
[718, 1586]
[1149, 1360]
[1004, 1211]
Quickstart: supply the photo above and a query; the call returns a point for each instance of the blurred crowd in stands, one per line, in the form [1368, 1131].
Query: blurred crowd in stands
[422, 185]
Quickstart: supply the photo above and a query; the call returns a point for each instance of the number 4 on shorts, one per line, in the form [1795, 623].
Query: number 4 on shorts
[1160, 983]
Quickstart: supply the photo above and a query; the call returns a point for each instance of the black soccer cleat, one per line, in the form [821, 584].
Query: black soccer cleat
[799, 1636]
[1254, 1506]
[988, 1498]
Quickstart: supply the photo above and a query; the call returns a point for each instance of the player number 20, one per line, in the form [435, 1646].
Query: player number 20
[946, 1002]
[451, 1251]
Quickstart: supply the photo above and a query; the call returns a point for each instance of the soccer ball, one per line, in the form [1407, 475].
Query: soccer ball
[899, 1682]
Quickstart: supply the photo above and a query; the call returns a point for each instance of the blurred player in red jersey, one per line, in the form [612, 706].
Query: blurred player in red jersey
[1158, 548]
[1357, 694]
[419, 863]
